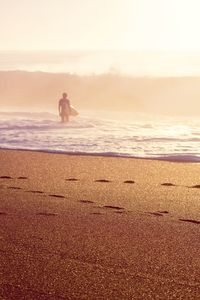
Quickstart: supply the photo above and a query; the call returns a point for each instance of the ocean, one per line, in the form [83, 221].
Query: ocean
[98, 132]
[119, 134]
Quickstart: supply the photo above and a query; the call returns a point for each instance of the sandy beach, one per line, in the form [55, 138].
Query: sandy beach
[86, 227]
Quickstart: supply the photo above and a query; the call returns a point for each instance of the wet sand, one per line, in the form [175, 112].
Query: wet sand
[81, 227]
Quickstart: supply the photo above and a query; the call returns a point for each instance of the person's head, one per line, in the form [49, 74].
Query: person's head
[64, 95]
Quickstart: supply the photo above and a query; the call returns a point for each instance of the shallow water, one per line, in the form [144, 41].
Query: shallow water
[104, 133]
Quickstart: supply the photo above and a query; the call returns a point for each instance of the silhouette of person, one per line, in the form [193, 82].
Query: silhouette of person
[64, 108]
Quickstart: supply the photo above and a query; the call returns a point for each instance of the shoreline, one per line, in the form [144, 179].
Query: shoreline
[170, 158]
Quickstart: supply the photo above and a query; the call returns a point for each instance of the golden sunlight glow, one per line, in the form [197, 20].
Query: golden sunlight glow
[100, 24]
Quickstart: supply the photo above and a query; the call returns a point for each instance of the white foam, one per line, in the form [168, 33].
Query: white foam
[97, 133]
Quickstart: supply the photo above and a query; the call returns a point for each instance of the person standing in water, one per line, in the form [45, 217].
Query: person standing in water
[64, 108]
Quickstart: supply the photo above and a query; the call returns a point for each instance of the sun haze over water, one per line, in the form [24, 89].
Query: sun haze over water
[156, 41]
[136, 63]
[139, 37]
[130, 67]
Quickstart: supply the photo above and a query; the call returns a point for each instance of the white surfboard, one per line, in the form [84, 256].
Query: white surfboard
[73, 111]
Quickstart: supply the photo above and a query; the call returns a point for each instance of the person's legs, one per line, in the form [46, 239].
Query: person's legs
[62, 118]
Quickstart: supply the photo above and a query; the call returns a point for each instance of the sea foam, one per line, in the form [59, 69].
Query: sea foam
[103, 133]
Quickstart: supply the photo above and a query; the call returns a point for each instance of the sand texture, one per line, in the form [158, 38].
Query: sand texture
[81, 227]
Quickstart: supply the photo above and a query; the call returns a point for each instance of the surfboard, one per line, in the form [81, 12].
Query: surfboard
[73, 111]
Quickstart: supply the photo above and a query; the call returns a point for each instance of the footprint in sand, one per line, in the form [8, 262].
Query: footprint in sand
[168, 184]
[102, 180]
[113, 207]
[57, 196]
[6, 177]
[190, 221]
[2, 213]
[197, 186]
[86, 201]
[35, 192]
[129, 181]
[71, 179]
[46, 214]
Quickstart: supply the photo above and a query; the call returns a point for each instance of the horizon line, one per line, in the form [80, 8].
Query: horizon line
[120, 74]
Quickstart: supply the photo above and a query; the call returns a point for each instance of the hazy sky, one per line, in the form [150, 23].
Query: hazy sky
[99, 24]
